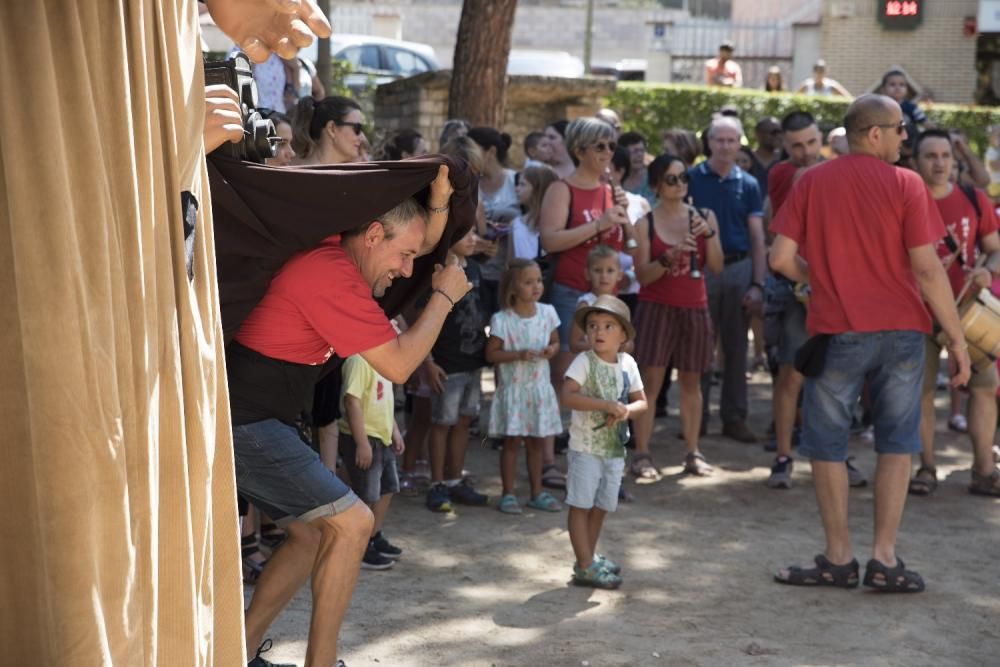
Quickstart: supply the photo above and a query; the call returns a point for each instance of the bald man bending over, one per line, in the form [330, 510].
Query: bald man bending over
[862, 233]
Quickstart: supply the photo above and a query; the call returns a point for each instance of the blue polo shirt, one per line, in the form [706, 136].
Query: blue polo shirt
[733, 199]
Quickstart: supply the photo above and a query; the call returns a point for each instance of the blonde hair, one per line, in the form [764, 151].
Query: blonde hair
[601, 251]
[584, 132]
[514, 269]
[540, 178]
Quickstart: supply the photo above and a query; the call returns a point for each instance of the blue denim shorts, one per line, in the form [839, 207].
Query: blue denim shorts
[460, 397]
[893, 363]
[379, 479]
[593, 481]
[283, 476]
[564, 300]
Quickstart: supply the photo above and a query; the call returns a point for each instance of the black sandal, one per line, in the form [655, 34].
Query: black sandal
[924, 483]
[271, 536]
[252, 569]
[824, 574]
[894, 579]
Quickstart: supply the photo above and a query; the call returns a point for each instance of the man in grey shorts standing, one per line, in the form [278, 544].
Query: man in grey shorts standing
[322, 302]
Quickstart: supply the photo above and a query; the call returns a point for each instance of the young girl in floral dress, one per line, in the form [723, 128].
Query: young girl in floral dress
[524, 335]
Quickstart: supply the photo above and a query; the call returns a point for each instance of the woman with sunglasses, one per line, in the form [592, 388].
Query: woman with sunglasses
[330, 131]
[673, 326]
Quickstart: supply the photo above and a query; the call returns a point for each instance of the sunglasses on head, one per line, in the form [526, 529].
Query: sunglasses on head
[357, 127]
[676, 179]
[601, 146]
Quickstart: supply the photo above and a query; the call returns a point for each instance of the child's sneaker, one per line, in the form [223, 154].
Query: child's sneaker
[386, 548]
[508, 505]
[855, 477]
[464, 494]
[408, 485]
[546, 502]
[596, 576]
[438, 499]
[422, 471]
[607, 564]
[373, 560]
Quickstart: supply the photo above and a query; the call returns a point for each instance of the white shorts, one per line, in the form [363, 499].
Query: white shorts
[593, 481]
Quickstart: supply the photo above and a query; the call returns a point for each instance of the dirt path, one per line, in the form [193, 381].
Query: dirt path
[481, 588]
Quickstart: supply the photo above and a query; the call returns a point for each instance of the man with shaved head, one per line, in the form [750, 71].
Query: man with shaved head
[862, 233]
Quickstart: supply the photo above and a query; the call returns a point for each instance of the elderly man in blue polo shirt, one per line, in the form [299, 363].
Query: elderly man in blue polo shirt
[736, 294]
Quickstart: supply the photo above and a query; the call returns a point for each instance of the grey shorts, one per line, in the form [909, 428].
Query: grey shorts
[593, 481]
[460, 397]
[283, 476]
[784, 321]
[379, 479]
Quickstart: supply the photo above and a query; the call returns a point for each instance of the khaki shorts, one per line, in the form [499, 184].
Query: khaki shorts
[932, 352]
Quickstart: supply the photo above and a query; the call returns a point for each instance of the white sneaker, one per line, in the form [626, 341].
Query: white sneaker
[958, 423]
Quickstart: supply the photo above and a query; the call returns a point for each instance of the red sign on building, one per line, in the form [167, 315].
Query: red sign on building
[899, 14]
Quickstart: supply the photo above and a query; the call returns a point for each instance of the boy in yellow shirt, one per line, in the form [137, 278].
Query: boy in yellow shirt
[369, 450]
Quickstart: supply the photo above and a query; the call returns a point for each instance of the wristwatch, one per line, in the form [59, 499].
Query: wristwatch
[758, 286]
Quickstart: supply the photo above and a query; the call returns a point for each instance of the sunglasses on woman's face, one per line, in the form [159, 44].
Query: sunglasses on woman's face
[357, 127]
[676, 179]
[600, 146]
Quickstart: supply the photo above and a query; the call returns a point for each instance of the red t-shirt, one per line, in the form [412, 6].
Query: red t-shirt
[960, 221]
[585, 206]
[854, 219]
[675, 287]
[780, 179]
[317, 304]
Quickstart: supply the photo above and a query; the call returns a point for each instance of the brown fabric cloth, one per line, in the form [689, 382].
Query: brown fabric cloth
[264, 215]
[121, 545]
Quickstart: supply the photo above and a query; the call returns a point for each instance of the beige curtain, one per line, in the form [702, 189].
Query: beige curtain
[119, 542]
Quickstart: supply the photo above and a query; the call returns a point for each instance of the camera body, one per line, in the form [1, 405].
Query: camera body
[260, 138]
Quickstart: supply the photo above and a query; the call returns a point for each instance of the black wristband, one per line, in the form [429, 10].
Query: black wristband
[758, 286]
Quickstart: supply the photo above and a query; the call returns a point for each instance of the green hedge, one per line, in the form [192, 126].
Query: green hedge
[651, 108]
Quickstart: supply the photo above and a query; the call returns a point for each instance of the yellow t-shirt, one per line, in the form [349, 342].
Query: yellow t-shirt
[375, 394]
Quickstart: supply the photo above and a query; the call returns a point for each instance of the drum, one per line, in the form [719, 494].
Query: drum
[980, 319]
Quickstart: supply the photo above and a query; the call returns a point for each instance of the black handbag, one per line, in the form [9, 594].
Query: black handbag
[811, 357]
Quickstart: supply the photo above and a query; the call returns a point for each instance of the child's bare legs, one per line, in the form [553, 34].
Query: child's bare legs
[379, 509]
[584, 530]
[534, 447]
[508, 464]
[458, 439]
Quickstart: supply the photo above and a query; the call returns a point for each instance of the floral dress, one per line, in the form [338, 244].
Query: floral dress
[524, 403]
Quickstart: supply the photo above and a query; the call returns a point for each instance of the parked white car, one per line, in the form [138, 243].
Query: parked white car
[544, 63]
[377, 57]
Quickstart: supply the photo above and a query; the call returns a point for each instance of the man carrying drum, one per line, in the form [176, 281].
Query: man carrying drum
[970, 221]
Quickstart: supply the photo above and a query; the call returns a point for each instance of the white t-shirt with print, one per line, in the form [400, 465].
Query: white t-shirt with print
[599, 379]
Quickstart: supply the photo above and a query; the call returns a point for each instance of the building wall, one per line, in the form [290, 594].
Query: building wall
[937, 55]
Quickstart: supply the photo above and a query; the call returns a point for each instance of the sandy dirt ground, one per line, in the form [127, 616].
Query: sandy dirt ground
[477, 587]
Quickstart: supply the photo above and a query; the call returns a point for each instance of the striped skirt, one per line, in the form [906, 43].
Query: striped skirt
[669, 336]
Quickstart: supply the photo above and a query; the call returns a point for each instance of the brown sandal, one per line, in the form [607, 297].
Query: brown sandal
[985, 485]
[642, 468]
[695, 464]
[924, 483]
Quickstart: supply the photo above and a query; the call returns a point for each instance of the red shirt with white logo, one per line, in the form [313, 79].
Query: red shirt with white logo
[585, 207]
[854, 219]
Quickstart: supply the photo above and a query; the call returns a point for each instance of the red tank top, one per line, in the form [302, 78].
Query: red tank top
[675, 287]
[585, 206]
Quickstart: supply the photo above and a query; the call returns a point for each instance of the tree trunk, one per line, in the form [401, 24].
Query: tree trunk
[323, 50]
[479, 75]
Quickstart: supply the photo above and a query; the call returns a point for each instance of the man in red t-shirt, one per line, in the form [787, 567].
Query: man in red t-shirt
[322, 302]
[969, 225]
[861, 233]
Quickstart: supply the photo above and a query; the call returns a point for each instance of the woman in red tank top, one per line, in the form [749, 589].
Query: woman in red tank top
[673, 326]
[578, 213]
